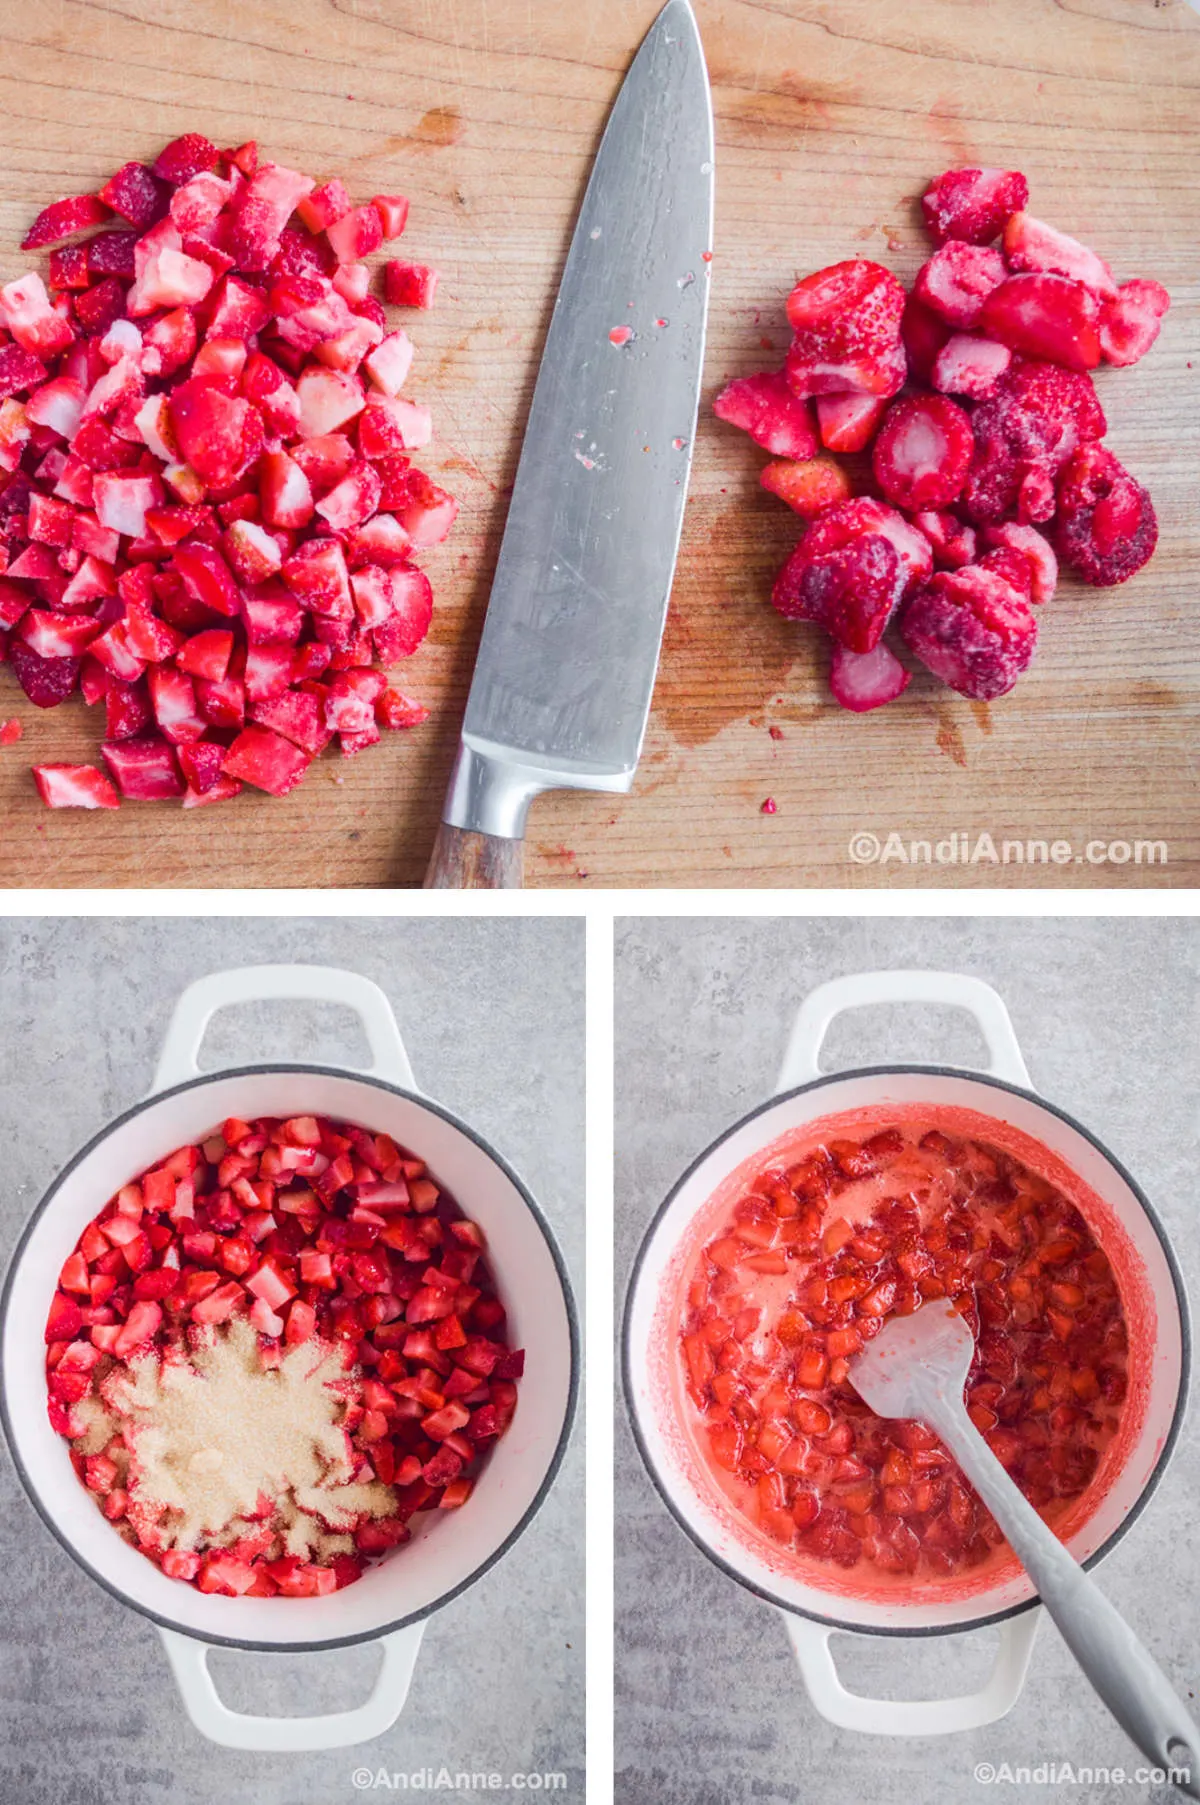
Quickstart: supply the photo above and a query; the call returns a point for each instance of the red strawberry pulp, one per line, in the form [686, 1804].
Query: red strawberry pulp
[801, 1257]
[316, 1232]
[209, 515]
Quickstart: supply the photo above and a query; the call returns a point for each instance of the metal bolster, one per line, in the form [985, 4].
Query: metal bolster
[490, 791]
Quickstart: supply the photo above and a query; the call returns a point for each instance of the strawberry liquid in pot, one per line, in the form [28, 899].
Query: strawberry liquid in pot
[802, 1256]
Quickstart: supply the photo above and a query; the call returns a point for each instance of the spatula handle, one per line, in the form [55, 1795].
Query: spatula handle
[471, 861]
[1122, 1670]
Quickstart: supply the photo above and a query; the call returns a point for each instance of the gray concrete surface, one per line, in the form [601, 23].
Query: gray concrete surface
[710, 1707]
[492, 1012]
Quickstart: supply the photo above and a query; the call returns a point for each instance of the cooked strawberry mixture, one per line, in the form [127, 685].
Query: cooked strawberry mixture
[272, 1350]
[997, 436]
[209, 517]
[811, 1264]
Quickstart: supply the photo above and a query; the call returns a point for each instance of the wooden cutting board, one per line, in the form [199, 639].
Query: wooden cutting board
[832, 115]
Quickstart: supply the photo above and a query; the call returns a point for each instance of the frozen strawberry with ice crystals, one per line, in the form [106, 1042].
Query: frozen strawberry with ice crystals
[261, 210]
[264, 759]
[861, 681]
[849, 422]
[1011, 568]
[62, 219]
[1131, 320]
[1035, 549]
[1106, 528]
[144, 769]
[972, 631]
[923, 334]
[852, 590]
[184, 158]
[808, 487]
[74, 786]
[210, 428]
[409, 284]
[970, 366]
[46, 681]
[957, 281]
[973, 205]
[135, 193]
[765, 407]
[1030, 244]
[1038, 415]
[922, 451]
[953, 541]
[1047, 317]
[846, 326]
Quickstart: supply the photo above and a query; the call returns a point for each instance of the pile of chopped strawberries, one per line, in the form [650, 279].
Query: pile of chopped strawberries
[989, 467]
[209, 513]
[309, 1228]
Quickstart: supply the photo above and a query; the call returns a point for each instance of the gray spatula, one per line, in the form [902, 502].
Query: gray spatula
[917, 1368]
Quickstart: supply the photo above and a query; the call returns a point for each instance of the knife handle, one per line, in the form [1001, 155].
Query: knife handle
[471, 861]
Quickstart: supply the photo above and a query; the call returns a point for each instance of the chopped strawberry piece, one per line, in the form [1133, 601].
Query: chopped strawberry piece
[144, 769]
[11, 731]
[62, 219]
[20, 371]
[808, 488]
[864, 680]
[972, 631]
[849, 422]
[393, 213]
[953, 542]
[1106, 527]
[1130, 321]
[74, 786]
[1045, 316]
[184, 158]
[135, 194]
[267, 761]
[46, 681]
[1012, 568]
[973, 204]
[922, 451]
[409, 284]
[958, 279]
[923, 333]
[970, 366]
[846, 322]
[1030, 244]
[766, 408]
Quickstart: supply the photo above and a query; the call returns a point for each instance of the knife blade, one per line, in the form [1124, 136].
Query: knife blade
[561, 690]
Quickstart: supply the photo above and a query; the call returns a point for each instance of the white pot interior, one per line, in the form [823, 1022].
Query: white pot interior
[448, 1548]
[1049, 1144]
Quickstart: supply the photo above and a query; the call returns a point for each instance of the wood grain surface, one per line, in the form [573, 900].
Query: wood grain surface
[832, 115]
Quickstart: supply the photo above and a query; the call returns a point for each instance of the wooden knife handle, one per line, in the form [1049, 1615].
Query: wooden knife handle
[466, 861]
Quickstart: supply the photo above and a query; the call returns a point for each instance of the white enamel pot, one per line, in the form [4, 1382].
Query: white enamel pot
[449, 1549]
[814, 1606]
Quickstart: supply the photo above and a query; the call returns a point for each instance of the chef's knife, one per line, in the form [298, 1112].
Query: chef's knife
[562, 685]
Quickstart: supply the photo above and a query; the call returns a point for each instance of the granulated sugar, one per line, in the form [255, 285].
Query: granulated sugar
[221, 1446]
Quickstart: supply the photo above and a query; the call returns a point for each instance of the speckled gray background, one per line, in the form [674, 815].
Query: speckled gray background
[710, 1707]
[492, 1012]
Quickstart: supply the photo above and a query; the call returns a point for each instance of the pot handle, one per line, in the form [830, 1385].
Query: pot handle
[281, 983]
[912, 1717]
[802, 1060]
[293, 1735]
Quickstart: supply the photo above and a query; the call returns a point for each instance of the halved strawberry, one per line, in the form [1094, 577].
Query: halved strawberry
[973, 204]
[1106, 527]
[1130, 321]
[970, 366]
[849, 422]
[809, 487]
[972, 631]
[1030, 244]
[861, 681]
[766, 408]
[958, 279]
[846, 321]
[922, 451]
[1045, 316]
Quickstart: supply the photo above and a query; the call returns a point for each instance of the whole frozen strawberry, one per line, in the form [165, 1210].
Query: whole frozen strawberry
[972, 630]
[1106, 526]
